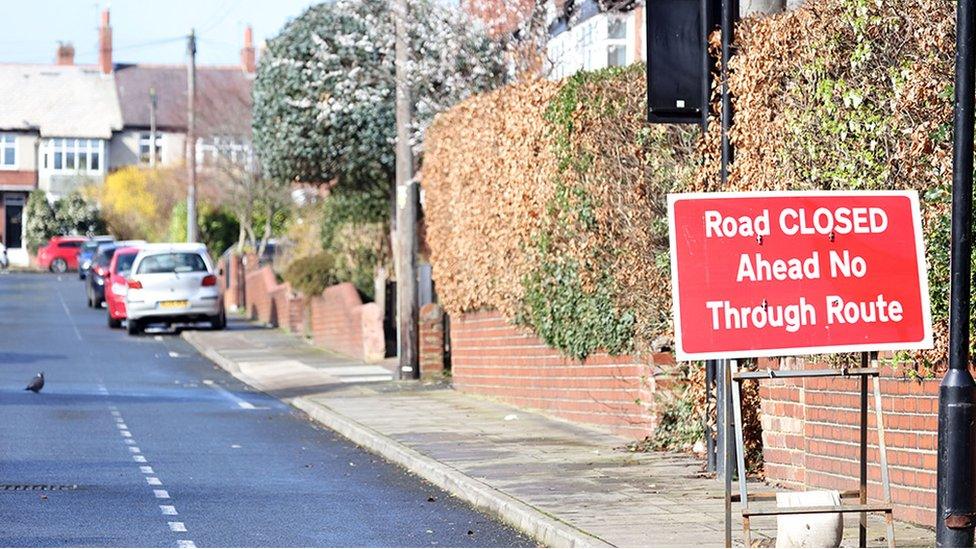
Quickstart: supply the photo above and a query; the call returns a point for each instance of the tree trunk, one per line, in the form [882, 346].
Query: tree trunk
[241, 236]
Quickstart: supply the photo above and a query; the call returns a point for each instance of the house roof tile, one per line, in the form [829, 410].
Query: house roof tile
[59, 100]
[223, 97]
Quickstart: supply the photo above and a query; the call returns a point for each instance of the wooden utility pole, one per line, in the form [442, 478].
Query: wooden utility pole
[406, 211]
[152, 127]
[191, 138]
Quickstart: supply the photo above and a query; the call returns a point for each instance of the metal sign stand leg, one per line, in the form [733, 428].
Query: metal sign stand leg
[727, 450]
[740, 452]
[883, 458]
[862, 534]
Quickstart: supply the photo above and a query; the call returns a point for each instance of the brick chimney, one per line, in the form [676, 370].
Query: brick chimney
[247, 52]
[66, 54]
[105, 44]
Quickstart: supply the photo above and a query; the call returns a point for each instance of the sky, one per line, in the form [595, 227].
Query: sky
[144, 31]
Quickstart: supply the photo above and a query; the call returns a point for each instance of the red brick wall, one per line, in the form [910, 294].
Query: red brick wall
[296, 313]
[491, 357]
[264, 296]
[21, 179]
[231, 269]
[811, 437]
[431, 335]
[343, 323]
[339, 320]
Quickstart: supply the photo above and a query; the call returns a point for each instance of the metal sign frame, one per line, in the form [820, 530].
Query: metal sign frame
[868, 369]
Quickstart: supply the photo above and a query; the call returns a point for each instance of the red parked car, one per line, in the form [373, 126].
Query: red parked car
[60, 254]
[116, 284]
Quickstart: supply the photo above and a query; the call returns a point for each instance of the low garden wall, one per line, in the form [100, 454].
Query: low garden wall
[337, 319]
[811, 437]
[343, 323]
[493, 358]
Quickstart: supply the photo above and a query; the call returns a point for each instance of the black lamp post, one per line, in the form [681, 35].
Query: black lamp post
[956, 499]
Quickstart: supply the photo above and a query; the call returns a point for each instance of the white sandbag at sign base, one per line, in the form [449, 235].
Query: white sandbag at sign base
[816, 530]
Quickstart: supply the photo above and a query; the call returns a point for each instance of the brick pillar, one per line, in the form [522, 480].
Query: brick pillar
[431, 340]
[233, 276]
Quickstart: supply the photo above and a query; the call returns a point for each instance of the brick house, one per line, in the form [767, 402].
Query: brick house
[223, 111]
[55, 126]
[64, 126]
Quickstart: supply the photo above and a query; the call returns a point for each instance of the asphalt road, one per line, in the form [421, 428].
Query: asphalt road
[142, 442]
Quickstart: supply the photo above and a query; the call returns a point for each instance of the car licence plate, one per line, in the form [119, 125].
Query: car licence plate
[173, 304]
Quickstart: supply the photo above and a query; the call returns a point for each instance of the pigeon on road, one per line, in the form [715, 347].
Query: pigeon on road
[36, 384]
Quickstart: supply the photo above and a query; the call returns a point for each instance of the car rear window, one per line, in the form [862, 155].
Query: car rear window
[124, 263]
[178, 262]
[70, 244]
[89, 246]
[104, 257]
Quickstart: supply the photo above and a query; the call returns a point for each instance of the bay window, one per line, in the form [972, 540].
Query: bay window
[73, 155]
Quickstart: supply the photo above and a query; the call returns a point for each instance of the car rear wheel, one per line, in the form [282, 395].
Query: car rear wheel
[59, 265]
[114, 322]
[218, 322]
[134, 327]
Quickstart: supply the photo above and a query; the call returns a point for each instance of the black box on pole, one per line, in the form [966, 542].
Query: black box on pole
[678, 65]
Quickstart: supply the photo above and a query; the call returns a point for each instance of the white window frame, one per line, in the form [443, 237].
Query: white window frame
[144, 141]
[625, 42]
[209, 149]
[73, 148]
[8, 141]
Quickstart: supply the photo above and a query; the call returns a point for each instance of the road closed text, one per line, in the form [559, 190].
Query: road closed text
[791, 221]
[768, 274]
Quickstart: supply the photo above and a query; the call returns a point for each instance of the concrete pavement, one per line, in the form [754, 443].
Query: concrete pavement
[564, 484]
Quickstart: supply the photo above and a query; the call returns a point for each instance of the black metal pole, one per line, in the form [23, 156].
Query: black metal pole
[955, 499]
[729, 15]
[709, 435]
[730, 12]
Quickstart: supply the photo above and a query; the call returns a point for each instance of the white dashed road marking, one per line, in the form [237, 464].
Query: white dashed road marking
[229, 395]
[70, 318]
[174, 354]
[166, 510]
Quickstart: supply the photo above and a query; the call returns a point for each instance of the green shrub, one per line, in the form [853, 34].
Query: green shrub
[311, 274]
[41, 221]
[355, 233]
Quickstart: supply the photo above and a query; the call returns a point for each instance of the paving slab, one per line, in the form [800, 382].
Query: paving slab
[565, 484]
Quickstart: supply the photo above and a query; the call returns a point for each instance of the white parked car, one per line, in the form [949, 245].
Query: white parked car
[172, 283]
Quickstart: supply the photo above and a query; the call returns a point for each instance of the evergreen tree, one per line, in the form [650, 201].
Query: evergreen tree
[41, 222]
[325, 89]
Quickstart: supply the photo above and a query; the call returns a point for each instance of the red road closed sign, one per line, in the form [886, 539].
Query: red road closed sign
[790, 273]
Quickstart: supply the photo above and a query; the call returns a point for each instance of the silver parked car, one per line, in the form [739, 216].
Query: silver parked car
[172, 283]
